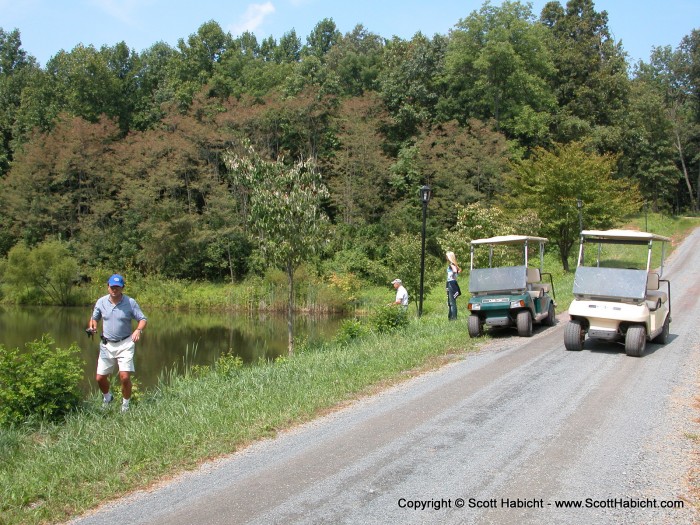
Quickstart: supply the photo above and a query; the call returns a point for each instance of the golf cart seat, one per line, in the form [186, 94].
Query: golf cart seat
[534, 287]
[654, 296]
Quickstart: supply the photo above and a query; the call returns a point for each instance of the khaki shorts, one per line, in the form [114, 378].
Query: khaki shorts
[119, 354]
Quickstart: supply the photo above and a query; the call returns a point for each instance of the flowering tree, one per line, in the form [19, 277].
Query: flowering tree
[284, 212]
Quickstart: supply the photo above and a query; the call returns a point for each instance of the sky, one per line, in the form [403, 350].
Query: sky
[49, 26]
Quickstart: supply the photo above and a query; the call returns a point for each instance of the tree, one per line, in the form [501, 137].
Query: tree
[411, 85]
[590, 77]
[551, 182]
[59, 177]
[669, 75]
[49, 267]
[462, 164]
[16, 71]
[403, 257]
[498, 65]
[321, 39]
[358, 159]
[285, 213]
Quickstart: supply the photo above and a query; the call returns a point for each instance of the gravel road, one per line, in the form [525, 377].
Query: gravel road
[512, 432]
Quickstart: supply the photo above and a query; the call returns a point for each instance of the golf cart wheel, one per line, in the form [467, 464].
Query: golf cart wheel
[574, 335]
[551, 315]
[474, 326]
[524, 322]
[635, 340]
[662, 338]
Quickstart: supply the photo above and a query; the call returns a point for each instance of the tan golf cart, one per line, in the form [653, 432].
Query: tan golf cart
[617, 294]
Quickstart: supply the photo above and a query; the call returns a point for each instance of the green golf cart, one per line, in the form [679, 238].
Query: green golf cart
[512, 294]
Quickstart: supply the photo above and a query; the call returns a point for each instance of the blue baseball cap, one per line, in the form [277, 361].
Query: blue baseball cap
[116, 280]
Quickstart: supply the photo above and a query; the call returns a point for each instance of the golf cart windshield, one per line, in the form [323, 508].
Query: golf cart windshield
[618, 283]
[497, 279]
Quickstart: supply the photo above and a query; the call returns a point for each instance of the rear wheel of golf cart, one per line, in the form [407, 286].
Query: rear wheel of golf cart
[474, 326]
[551, 315]
[635, 341]
[662, 338]
[574, 335]
[524, 322]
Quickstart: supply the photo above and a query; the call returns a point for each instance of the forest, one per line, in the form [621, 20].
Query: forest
[168, 161]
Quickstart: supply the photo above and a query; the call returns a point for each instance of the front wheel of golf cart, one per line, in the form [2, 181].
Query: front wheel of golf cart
[474, 326]
[635, 341]
[524, 322]
[574, 335]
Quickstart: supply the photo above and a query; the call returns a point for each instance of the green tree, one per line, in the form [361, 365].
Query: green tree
[498, 65]
[321, 39]
[670, 75]
[590, 79]
[403, 259]
[16, 72]
[284, 212]
[551, 182]
[411, 85]
[50, 267]
[649, 154]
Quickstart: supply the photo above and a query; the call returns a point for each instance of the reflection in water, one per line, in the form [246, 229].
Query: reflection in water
[169, 337]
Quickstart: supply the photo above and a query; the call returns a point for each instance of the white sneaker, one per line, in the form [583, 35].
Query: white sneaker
[125, 408]
[107, 400]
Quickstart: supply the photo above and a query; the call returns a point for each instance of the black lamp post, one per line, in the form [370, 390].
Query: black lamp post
[579, 205]
[424, 198]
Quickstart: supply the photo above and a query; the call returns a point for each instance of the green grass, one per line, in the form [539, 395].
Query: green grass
[58, 471]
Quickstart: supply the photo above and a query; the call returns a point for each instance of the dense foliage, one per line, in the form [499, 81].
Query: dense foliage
[122, 156]
[39, 382]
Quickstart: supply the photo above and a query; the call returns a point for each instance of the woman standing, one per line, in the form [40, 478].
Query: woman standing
[453, 291]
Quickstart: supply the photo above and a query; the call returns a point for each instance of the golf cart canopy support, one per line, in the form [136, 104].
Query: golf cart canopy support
[524, 240]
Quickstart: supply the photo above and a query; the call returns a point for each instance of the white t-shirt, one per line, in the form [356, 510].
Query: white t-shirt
[402, 295]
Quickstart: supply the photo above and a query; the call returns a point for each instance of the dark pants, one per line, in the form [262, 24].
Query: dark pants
[453, 292]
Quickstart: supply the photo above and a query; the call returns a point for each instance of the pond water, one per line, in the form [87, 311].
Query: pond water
[169, 339]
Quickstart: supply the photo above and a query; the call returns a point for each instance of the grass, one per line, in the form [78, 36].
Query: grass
[59, 471]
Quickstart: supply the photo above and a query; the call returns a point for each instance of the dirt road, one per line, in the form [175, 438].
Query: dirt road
[509, 435]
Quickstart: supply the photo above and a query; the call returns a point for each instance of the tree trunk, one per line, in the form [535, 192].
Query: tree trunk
[290, 310]
[691, 193]
[564, 254]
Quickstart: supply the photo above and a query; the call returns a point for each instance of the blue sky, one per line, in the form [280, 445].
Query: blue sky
[48, 26]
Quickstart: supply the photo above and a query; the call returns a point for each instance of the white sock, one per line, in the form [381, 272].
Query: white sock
[125, 402]
[107, 397]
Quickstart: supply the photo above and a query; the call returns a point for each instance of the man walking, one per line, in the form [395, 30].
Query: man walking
[118, 341]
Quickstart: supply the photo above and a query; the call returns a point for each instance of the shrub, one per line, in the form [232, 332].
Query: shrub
[388, 318]
[350, 329]
[39, 382]
[228, 364]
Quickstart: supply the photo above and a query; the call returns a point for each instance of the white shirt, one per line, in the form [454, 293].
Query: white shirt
[402, 295]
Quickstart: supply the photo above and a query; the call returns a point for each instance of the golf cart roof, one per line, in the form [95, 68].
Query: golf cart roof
[622, 235]
[509, 239]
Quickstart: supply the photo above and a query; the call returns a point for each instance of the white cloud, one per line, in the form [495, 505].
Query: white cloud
[253, 18]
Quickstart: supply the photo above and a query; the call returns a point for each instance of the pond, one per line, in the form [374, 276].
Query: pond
[169, 339]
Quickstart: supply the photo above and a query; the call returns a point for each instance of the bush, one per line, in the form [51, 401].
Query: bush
[388, 318]
[39, 382]
[350, 329]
